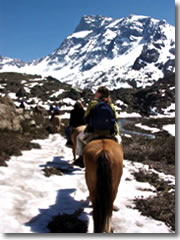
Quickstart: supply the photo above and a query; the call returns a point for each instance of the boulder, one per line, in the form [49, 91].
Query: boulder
[10, 119]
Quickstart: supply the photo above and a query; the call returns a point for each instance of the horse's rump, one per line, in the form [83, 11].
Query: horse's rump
[103, 161]
[75, 132]
[56, 122]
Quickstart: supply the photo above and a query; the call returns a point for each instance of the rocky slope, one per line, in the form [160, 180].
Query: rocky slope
[158, 98]
[24, 125]
[136, 148]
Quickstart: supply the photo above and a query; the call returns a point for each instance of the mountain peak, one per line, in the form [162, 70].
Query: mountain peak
[92, 22]
[125, 52]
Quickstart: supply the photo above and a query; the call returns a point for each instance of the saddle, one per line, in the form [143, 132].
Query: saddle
[91, 138]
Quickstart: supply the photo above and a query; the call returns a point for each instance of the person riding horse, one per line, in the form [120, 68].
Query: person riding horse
[76, 119]
[104, 127]
[54, 111]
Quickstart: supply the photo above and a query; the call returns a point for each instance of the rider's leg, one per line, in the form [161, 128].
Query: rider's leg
[118, 138]
[80, 144]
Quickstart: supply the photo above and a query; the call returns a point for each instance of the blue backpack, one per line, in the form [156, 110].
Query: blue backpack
[102, 117]
[56, 111]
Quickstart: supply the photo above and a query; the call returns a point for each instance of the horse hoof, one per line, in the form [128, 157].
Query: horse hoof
[79, 162]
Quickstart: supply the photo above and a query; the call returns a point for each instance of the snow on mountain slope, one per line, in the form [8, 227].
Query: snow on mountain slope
[127, 52]
[10, 62]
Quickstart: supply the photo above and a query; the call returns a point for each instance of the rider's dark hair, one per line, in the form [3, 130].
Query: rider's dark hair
[104, 92]
[78, 105]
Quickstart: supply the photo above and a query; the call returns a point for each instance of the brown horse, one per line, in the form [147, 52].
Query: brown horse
[74, 135]
[103, 161]
[56, 123]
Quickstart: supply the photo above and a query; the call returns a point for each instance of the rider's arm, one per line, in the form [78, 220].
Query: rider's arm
[116, 126]
[114, 110]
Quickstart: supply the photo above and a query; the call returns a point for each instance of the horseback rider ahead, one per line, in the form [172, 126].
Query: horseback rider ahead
[101, 119]
[76, 119]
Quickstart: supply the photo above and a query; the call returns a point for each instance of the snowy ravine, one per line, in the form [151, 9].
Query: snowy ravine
[29, 199]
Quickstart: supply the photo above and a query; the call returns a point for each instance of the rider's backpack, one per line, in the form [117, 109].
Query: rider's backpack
[103, 117]
[56, 111]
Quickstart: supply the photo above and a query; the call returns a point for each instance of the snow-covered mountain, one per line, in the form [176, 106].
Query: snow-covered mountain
[128, 52]
[11, 62]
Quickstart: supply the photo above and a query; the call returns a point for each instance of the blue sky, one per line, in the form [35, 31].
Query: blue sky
[31, 29]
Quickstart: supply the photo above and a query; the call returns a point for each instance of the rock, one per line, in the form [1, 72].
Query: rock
[32, 123]
[10, 119]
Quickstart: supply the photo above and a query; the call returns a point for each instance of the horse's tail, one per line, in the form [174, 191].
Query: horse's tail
[103, 196]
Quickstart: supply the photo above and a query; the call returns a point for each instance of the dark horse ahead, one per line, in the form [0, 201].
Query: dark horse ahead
[103, 161]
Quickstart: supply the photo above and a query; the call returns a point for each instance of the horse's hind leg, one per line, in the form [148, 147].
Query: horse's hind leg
[73, 139]
[108, 228]
[74, 152]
